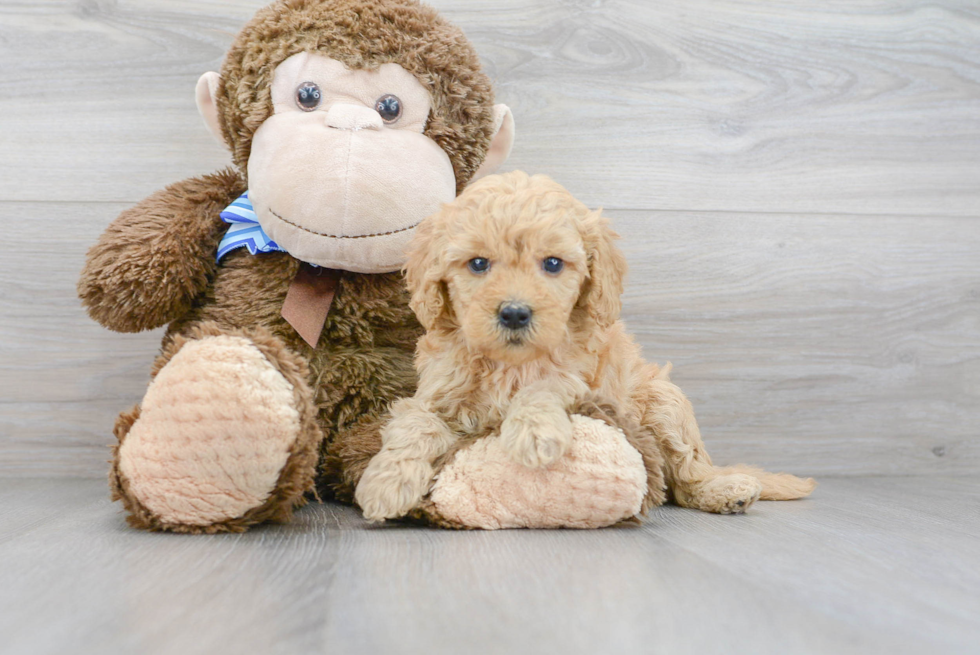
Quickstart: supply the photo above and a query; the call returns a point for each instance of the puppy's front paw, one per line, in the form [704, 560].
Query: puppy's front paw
[536, 439]
[391, 488]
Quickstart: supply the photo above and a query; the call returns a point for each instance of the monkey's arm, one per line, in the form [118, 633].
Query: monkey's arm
[154, 259]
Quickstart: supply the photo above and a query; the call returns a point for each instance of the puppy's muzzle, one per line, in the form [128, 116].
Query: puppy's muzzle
[514, 316]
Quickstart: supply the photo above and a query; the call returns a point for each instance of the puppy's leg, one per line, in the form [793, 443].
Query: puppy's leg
[398, 477]
[692, 479]
[537, 429]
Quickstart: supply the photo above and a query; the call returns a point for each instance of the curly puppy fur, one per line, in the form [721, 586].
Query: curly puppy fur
[476, 373]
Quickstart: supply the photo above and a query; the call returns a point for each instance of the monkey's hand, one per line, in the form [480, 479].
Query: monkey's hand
[156, 258]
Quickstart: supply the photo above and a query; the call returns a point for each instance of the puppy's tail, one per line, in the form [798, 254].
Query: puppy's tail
[775, 486]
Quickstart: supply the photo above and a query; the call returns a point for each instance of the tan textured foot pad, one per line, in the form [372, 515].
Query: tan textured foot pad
[599, 482]
[215, 431]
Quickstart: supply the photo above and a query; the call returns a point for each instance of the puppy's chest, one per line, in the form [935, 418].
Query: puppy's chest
[492, 394]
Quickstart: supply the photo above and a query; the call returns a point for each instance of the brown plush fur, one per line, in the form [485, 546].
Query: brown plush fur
[155, 264]
[155, 260]
[344, 464]
[475, 375]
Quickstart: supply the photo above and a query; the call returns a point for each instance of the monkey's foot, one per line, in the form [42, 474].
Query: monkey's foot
[599, 481]
[224, 438]
[724, 494]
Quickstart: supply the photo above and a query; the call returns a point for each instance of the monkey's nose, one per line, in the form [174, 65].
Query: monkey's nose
[514, 316]
[353, 117]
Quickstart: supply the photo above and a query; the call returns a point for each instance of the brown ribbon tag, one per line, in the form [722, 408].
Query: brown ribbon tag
[308, 300]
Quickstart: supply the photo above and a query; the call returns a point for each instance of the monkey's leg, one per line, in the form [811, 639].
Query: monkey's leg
[355, 389]
[347, 456]
[602, 479]
[225, 437]
[691, 478]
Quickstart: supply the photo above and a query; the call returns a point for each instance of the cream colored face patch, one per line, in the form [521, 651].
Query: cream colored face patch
[338, 84]
[342, 173]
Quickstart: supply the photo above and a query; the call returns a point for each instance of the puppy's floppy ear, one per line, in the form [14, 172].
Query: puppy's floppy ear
[602, 293]
[424, 272]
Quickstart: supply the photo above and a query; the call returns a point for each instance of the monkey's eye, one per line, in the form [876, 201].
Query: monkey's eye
[390, 108]
[308, 96]
[478, 265]
[553, 265]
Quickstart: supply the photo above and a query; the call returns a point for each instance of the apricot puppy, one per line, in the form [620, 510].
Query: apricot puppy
[518, 285]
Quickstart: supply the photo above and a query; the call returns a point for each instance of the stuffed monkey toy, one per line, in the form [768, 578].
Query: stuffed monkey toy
[289, 330]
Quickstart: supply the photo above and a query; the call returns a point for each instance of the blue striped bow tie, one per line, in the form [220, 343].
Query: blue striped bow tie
[245, 231]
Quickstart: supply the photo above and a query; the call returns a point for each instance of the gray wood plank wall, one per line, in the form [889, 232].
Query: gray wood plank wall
[798, 184]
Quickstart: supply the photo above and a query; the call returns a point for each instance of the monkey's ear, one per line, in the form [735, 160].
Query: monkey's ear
[503, 141]
[207, 91]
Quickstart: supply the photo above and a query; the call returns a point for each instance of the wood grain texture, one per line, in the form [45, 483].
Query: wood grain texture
[845, 343]
[866, 565]
[685, 104]
[798, 184]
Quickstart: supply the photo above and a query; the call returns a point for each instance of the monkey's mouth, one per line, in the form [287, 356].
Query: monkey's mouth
[343, 236]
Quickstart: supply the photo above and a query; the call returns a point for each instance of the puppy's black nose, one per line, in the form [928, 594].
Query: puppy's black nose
[514, 316]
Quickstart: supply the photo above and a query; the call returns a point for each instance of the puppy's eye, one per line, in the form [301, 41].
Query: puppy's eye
[308, 96]
[478, 265]
[552, 265]
[390, 108]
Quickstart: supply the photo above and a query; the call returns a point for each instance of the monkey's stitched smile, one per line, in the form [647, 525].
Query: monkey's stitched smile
[341, 236]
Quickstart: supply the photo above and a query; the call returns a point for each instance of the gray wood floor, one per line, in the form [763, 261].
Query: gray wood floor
[867, 565]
